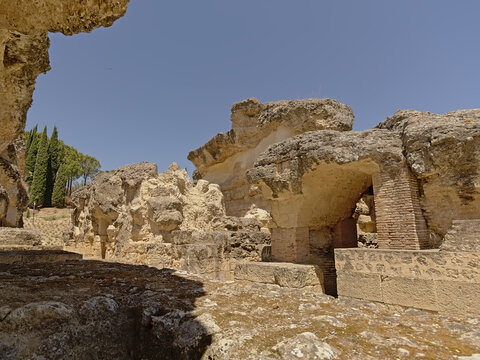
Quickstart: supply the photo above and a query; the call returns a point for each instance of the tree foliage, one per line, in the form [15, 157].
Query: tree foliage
[89, 167]
[39, 183]
[32, 149]
[60, 187]
[54, 158]
[52, 165]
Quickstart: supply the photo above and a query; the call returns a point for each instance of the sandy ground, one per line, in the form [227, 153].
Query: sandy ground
[50, 222]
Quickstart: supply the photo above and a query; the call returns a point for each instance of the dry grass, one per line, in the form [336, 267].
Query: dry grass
[50, 222]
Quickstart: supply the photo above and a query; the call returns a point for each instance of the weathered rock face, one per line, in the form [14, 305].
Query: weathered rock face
[226, 158]
[136, 215]
[22, 59]
[67, 17]
[24, 43]
[13, 193]
[443, 152]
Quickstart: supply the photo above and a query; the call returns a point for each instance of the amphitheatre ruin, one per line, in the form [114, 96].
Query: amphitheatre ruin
[296, 238]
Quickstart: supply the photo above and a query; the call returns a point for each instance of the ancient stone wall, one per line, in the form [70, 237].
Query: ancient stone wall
[443, 153]
[138, 216]
[448, 282]
[226, 158]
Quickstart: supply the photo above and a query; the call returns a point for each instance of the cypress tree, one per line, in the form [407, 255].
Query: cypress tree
[54, 151]
[29, 137]
[39, 183]
[31, 157]
[53, 165]
[60, 189]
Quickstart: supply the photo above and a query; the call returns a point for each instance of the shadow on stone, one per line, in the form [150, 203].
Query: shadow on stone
[98, 310]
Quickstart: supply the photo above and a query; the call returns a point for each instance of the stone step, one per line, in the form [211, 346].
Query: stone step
[464, 235]
[283, 274]
[16, 236]
[29, 248]
[37, 256]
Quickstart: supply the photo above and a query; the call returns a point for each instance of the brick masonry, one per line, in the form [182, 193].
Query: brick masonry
[400, 222]
[291, 245]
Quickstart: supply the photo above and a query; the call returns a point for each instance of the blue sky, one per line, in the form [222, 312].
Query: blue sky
[160, 82]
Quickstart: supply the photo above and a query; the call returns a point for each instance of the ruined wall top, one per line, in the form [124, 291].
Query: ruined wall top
[253, 121]
[66, 16]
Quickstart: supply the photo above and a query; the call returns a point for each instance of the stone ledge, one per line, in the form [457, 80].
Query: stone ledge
[37, 256]
[15, 236]
[283, 274]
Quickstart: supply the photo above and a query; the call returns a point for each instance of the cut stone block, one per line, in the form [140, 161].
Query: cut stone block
[283, 274]
[458, 298]
[37, 256]
[416, 293]
[360, 286]
[15, 236]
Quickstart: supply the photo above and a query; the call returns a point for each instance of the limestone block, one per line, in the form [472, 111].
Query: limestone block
[283, 274]
[417, 293]
[37, 256]
[360, 286]
[458, 298]
[14, 236]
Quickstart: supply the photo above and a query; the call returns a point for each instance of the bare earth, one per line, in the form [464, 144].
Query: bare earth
[94, 309]
[50, 223]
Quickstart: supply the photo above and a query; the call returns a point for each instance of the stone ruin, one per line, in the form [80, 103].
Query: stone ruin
[394, 189]
[136, 215]
[389, 215]
[371, 213]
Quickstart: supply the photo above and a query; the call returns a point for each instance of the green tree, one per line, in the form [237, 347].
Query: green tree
[54, 158]
[60, 187]
[39, 183]
[72, 164]
[54, 151]
[29, 137]
[32, 151]
[89, 167]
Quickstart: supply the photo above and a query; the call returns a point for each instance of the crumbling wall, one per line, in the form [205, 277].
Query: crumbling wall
[227, 157]
[136, 215]
[443, 154]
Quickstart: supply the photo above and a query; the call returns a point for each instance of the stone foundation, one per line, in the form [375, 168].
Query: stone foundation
[447, 282]
[283, 274]
[37, 256]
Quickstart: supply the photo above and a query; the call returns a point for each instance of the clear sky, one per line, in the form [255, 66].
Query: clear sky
[160, 82]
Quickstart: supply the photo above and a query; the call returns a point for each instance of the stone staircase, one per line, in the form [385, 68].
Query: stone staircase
[464, 236]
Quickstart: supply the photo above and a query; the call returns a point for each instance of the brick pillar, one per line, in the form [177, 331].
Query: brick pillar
[290, 245]
[400, 222]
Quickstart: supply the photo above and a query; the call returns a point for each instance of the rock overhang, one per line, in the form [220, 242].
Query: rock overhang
[253, 121]
[282, 166]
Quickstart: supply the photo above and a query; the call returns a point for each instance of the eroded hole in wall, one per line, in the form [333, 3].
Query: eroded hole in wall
[365, 218]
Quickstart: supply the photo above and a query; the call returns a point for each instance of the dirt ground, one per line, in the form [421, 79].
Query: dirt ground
[50, 222]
